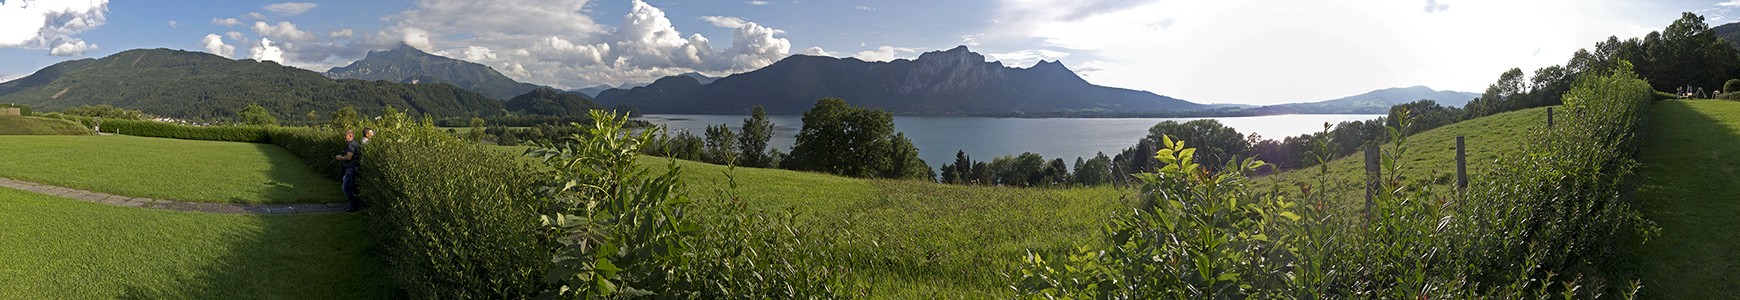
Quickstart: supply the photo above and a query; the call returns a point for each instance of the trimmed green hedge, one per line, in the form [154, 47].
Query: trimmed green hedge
[315, 146]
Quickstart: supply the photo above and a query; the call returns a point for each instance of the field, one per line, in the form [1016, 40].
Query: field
[197, 171]
[939, 241]
[1430, 160]
[1689, 174]
[57, 248]
[18, 125]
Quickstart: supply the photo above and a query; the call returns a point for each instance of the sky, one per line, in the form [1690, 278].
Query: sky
[1221, 51]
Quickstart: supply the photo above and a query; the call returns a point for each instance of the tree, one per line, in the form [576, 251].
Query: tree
[477, 131]
[345, 118]
[960, 172]
[313, 118]
[1095, 171]
[1057, 173]
[255, 114]
[752, 145]
[1215, 143]
[840, 139]
[721, 145]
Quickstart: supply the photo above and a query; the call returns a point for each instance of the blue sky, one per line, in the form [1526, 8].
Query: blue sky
[1230, 51]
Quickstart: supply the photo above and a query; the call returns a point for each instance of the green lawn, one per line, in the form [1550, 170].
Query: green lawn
[19, 125]
[58, 248]
[201, 171]
[936, 240]
[1691, 165]
[1430, 160]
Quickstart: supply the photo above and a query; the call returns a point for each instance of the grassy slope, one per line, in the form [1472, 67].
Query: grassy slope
[940, 241]
[1431, 155]
[18, 125]
[57, 248]
[203, 171]
[1691, 163]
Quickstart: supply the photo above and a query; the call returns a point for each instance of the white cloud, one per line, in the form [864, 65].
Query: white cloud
[1026, 58]
[758, 2]
[214, 44]
[816, 51]
[52, 25]
[885, 53]
[1730, 3]
[284, 30]
[265, 51]
[256, 16]
[289, 8]
[173, 24]
[734, 22]
[342, 33]
[226, 22]
[1211, 51]
[239, 37]
[1433, 6]
[864, 8]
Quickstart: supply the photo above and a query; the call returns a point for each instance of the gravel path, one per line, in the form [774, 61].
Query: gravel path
[219, 208]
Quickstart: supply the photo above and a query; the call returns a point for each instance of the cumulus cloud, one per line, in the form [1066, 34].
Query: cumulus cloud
[578, 51]
[1433, 6]
[284, 30]
[885, 53]
[341, 33]
[226, 22]
[1729, 3]
[734, 22]
[215, 45]
[289, 8]
[758, 2]
[265, 51]
[816, 51]
[173, 24]
[52, 25]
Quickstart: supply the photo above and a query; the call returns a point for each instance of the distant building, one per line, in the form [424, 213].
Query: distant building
[11, 111]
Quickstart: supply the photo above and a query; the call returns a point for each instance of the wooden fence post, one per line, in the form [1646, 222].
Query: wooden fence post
[1461, 164]
[1549, 117]
[1373, 173]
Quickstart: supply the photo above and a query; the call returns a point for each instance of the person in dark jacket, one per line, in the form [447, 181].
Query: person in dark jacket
[351, 160]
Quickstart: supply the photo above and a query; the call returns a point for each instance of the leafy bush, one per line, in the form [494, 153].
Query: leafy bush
[454, 218]
[1732, 85]
[106, 112]
[627, 231]
[1548, 222]
[315, 146]
[250, 134]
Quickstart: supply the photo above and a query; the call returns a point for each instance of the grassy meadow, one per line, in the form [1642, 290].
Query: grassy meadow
[186, 170]
[1690, 165]
[1430, 160]
[935, 240]
[58, 248]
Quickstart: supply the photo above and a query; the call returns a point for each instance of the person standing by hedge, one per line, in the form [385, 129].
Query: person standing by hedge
[351, 160]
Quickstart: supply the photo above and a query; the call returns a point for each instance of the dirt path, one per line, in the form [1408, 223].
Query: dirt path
[219, 208]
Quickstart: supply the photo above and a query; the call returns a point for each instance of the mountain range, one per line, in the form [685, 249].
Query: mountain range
[1374, 102]
[186, 84]
[409, 65]
[952, 82]
[593, 91]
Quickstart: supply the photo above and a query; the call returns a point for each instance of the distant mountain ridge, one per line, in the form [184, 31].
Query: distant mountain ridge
[592, 92]
[1374, 102]
[952, 82]
[186, 84]
[409, 65]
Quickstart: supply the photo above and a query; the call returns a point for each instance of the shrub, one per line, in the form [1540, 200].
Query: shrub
[1733, 85]
[628, 231]
[1547, 222]
[250, 134]
[454, 218]
[315, 146]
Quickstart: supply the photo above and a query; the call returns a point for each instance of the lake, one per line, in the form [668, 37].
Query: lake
[938, 138]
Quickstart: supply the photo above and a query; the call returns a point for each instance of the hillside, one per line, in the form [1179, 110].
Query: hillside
[187, 84]
[1374, 102]
[21, 125]
[1728, 32]
[408, 65]
[953, 82]
[1431, 156]
[551, 102]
